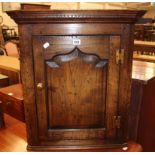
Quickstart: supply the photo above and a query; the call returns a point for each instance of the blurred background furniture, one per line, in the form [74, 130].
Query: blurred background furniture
[12, 100]
[2, 123]
[11, 49]
[10, 66]
[9, 33]
[4, 80]
[139, 32]
[1, 36]
[2, 50]
[144, 51]
[145, 32]
[142, 111]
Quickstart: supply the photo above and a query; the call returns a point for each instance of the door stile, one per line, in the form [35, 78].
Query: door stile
[40, 86]
[112, 88]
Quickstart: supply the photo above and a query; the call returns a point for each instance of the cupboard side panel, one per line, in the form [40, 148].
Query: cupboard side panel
[27, 75]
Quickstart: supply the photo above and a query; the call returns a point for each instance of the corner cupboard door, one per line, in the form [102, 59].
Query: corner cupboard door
[76, 80]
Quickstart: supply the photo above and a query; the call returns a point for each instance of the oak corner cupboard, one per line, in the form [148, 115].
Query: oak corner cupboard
[76, 74]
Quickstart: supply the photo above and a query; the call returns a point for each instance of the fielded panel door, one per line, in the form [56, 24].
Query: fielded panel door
[76, 80]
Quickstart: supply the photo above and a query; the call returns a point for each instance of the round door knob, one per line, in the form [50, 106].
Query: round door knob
[39, 86]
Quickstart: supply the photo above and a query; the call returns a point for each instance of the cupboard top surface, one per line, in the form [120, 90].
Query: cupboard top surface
[79, 16]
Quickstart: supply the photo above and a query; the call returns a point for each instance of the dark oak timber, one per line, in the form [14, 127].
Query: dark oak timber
[76, 16]
[76, 73]
[142, 107]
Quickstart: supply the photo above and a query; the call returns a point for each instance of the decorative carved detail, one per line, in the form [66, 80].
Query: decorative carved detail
[57, 60]
[87, 16]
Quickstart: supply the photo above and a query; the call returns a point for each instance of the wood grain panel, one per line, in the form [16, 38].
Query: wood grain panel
[64, 44]
[28, 84]
[76, 29]
[76, 85]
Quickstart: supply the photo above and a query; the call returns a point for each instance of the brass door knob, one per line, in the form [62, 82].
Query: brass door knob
[39, 86]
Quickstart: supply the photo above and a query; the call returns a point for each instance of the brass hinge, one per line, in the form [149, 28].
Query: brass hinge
[117, 122]
[120, 56]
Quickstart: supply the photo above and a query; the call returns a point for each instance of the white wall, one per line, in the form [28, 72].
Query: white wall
[6, 19]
